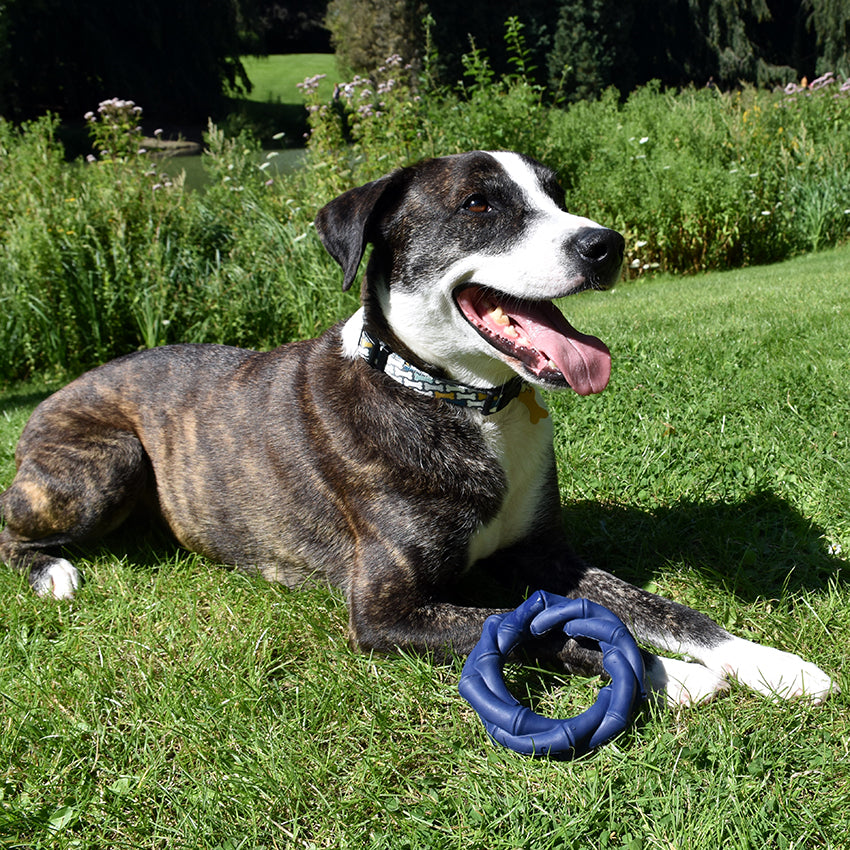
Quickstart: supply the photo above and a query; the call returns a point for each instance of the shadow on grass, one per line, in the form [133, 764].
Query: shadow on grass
[761, 546]
[23, 399]
[758, 547]
[266, 120]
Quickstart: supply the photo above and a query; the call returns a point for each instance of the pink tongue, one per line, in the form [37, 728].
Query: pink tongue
[583, 360]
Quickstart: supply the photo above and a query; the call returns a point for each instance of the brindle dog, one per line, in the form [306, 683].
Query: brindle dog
[393, 452]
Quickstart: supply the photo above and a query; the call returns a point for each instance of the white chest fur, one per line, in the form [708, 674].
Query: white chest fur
[520, 437]
[523, 447]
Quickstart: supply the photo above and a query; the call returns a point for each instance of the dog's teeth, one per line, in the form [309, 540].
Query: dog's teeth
[500, 317]
[552, 365]
[511, 331]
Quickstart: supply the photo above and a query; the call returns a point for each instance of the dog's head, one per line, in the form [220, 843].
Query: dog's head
[468, 253]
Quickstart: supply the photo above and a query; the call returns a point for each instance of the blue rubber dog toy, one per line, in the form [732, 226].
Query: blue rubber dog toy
[521, 729]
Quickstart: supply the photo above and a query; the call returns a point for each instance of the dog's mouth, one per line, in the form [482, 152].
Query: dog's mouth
[548, 348]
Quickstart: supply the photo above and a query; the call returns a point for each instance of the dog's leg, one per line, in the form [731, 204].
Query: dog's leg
[676, 628]
[667, 626]
[48, 574]
[442, 628]
[70, 488]
[682, 683]
[389, 609]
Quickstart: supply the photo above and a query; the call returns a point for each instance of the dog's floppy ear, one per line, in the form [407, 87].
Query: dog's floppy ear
[345, 225]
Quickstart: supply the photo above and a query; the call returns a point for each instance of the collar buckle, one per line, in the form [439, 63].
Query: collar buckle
[374, 351]
[500, 397]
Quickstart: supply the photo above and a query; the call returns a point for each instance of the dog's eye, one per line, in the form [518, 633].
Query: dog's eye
[476, 204]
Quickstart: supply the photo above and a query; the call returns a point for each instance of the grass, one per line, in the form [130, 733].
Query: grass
[177, 704]
[275, 105]
[275, 78]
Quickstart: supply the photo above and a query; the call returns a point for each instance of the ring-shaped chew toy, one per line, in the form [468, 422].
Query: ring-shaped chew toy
[519, 728]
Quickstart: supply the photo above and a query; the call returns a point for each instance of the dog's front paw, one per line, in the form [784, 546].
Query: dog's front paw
[57, 578]
[777, 674]
[682, 683]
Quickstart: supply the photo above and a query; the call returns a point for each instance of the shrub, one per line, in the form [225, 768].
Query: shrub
[695, 179]
[661, 169]
[104, 256]
[701, 179]
[87, 249]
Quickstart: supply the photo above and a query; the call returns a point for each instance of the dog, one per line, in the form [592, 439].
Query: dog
[390, 454]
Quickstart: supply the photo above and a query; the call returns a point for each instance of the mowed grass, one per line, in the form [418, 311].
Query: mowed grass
[178, 704]
[275, 78]
[274, 110]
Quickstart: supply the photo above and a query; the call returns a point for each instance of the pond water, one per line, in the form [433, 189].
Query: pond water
[284, 161]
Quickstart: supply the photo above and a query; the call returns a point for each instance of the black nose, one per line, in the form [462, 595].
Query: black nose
[600, 254]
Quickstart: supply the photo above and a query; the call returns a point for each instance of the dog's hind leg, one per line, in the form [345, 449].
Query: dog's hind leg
[70, 488]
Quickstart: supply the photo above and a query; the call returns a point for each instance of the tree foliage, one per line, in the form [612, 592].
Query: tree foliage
[482, 23]
[581, 47]
[174, 56]
[365, 32]
[592, 48]
[724, 42]
[830, 20]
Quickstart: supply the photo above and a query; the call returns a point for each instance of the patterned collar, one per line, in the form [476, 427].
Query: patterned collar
[490, 400]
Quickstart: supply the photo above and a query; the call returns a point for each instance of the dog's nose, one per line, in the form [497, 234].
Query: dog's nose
[601, 252]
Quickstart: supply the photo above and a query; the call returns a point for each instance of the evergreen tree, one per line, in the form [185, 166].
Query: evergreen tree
[733, 31]
[581, 47]
[727, 42]
[592, 48]
[830, 21]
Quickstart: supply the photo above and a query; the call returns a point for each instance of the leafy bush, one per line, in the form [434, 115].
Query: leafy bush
[105, 256]
[85, 250]
[102, 257]
[696, 179]
[665, 169]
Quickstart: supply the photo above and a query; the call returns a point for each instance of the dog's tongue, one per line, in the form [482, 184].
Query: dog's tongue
[537, 333]
[583, 360]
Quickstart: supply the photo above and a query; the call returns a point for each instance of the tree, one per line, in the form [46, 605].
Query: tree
[830, 21]
[175, 57]
[592, 48]
[626, 44]
[739, 36]
[293, 26]
[365, 32]
[458, 25]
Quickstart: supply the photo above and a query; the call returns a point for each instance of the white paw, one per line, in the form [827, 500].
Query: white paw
[59, 580]
[777, 674]
[683, 683]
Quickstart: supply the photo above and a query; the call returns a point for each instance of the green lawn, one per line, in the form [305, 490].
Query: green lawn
[275, 103]
[178, 704]
[275, 78]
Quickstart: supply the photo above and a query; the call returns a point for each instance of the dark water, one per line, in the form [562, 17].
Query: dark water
[280, 162]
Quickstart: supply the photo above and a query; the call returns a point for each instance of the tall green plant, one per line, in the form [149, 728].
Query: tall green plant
[701, 179]
[387, 119]
[107, 256]
[100, 258]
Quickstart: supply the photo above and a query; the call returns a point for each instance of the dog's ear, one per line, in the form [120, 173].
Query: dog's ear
[346, 224]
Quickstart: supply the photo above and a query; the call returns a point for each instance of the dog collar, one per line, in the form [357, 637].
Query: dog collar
[381, 357]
